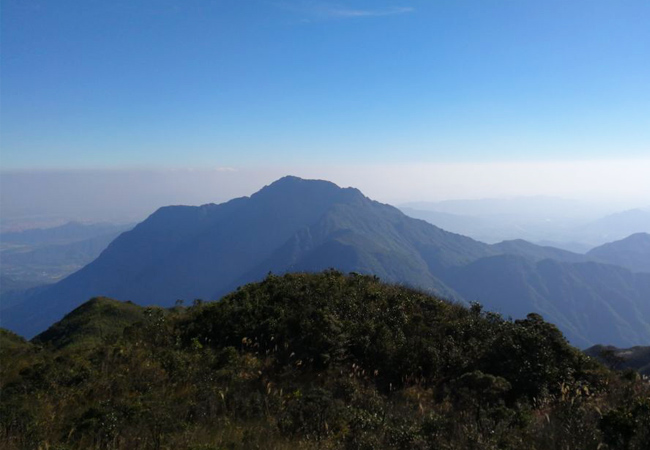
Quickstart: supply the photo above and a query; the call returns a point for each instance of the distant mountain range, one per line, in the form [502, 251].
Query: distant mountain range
[619, 225]
[183, 252]
[560, 223]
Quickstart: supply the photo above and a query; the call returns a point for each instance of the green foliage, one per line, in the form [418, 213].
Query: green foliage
[99, 319]
[15, 354]
[627, 426]
[312, 361]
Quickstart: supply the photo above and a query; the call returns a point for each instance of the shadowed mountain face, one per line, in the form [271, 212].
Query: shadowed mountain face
[183, 252]
[589, 302]
[632, 252]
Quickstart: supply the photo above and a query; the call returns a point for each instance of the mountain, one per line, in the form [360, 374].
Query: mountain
[311, 361]
[494, 221]
[588, 301]
[535, 207]
[637, 358]
[295, 225]
[570, 225]
[632, 252]
[538, 252]
[617, 226]
[476, 227]
[18, 293]
[183, 252]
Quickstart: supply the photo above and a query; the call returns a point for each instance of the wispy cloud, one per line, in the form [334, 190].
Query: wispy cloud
[326, 10]
[342, 12]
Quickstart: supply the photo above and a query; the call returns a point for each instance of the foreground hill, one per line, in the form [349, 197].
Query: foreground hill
[632, 252]
[312, 361]
[184, 252]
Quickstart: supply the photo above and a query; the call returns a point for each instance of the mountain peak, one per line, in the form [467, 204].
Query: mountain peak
[295, 187]
[292, 182]
[293, 179]
[639, 237]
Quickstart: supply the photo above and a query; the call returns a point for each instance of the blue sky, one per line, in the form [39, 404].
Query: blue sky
[246, 83]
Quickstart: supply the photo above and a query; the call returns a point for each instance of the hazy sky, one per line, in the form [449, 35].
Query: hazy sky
[320, 88]
[131, 195]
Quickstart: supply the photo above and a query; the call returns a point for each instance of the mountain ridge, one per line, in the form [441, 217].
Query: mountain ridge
[183, 252]
[633, 252]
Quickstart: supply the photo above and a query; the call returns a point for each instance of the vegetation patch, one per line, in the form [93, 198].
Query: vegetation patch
[323, 360]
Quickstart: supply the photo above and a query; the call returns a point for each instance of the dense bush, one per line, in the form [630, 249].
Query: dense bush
[313, 361]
